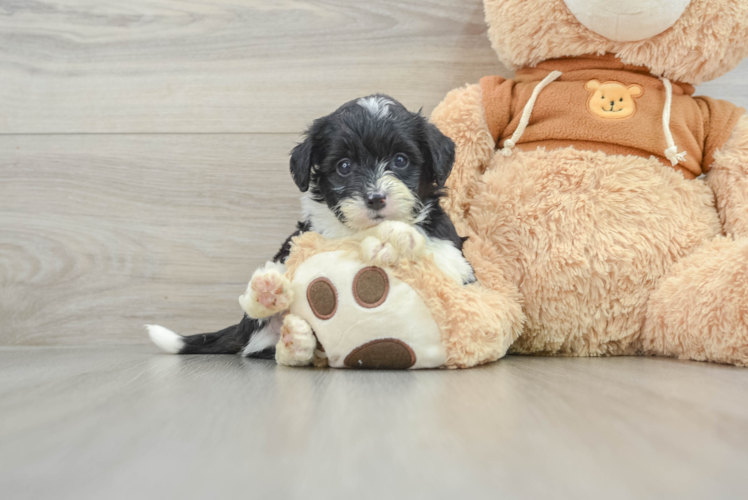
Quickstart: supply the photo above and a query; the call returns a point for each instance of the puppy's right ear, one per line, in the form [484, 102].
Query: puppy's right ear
[301, 163]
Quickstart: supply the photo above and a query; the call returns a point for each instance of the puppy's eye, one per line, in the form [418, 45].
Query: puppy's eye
[621, 99]
[344, 167]
[400, 161]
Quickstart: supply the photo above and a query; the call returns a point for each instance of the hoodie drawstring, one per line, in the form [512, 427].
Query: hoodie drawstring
[526, 112]
[671, 153]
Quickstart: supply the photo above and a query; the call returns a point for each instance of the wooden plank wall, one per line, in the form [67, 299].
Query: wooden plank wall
[143, 143]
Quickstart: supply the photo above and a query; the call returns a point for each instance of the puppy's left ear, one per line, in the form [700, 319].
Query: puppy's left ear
[301, 163]
[441, 152]
[307, 152]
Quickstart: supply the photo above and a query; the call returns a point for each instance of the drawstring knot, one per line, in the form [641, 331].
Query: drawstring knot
[508, 145]
[674, 156]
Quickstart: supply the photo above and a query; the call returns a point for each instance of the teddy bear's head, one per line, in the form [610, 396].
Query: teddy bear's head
[684, 40]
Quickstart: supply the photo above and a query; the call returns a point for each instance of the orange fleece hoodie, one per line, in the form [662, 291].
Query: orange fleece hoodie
[601, 104]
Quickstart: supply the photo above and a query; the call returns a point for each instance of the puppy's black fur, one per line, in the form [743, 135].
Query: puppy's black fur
[343, 159]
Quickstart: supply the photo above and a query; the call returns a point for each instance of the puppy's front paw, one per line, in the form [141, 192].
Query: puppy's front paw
[404, 238]
[268, 293]
[297, 343]
[375, 252]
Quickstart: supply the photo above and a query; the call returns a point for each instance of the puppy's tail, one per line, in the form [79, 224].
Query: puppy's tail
[251, 337]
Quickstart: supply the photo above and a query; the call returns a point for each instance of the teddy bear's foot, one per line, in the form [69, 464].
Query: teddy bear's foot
[297, 342]
[268, 292]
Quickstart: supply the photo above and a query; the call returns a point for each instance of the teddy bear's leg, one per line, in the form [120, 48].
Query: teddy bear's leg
[700, 311]
[268, 292]
[297, 342]
[482, 323]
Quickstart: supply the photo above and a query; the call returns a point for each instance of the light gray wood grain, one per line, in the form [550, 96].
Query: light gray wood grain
[128, 422]
[100, 234]
[226, 65]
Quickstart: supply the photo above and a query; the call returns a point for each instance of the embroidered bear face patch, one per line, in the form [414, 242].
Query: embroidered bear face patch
[612, 100]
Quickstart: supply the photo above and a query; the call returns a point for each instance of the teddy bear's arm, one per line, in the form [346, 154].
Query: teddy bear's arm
[728, 178]
[461, 116]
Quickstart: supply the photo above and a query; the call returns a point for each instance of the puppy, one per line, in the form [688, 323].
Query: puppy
[371, 170]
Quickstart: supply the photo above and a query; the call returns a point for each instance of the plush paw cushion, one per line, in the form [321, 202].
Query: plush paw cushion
[363, 316]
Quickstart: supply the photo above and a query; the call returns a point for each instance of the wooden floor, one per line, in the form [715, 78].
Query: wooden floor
[128, 422]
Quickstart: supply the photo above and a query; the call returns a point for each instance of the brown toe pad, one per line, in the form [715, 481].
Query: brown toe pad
[323, 298]
[371, 286]
[387, 354]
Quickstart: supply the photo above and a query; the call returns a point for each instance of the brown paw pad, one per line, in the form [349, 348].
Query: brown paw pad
[370, 287]
[388, 354]
[322, 297]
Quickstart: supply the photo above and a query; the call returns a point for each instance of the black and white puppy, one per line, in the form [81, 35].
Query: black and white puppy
[370, 161]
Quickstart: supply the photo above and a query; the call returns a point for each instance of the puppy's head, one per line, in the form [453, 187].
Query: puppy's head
[372, 160]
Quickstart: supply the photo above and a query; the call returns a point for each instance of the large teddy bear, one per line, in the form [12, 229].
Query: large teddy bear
[597, 188]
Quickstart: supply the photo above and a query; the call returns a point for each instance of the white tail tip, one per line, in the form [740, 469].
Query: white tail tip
[165, 339]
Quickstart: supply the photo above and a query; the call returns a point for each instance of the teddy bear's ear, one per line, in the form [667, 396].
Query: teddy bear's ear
[440, 154]
[635, 90]
[592, 85]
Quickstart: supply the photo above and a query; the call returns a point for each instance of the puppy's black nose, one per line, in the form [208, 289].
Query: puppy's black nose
[376, 201]
[612, 103]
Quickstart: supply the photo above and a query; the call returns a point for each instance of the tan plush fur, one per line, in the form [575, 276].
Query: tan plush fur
[701, 310]
[566, 226]
[477, 324]
[460, 116]
[709, 39]
[609, 254]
